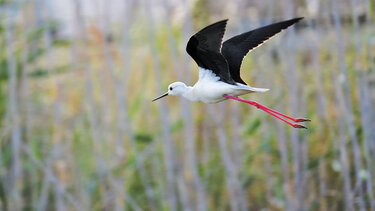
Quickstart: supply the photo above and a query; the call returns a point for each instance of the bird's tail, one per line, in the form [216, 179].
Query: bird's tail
[253, 89]
[258, 89]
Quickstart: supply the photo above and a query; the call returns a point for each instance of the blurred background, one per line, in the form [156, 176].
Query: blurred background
[79, 131]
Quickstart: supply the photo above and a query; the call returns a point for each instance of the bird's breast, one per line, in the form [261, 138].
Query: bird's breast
[211, 92]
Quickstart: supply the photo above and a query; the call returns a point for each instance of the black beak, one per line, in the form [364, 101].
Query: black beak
[166, 94]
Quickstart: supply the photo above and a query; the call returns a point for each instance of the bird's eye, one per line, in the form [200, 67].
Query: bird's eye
[170, 88]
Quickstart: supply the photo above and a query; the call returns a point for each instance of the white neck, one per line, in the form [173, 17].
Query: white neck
[188, 94]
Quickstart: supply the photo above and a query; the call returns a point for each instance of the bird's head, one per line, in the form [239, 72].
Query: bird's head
[176, 88]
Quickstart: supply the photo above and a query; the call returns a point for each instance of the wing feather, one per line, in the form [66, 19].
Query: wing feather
[236, 48]
[204, 47]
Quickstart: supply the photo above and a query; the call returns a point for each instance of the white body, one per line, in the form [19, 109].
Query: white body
[209, 89]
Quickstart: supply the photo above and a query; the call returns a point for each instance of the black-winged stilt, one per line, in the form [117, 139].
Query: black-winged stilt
[219, 66]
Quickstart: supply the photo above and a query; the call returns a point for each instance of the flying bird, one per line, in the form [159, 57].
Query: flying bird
[219, 66]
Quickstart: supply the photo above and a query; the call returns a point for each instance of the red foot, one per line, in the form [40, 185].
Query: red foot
[299, 126]
[302, 120]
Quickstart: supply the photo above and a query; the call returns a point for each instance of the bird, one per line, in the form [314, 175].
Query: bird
[219, 66]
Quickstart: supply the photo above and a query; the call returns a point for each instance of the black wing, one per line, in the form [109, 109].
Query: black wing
[204, 48]
[236, 48]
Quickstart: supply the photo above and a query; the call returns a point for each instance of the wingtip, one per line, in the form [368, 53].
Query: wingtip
[221, 21]
[294, 20]
[225, 21]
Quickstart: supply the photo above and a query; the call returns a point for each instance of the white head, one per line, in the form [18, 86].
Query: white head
[176, 88]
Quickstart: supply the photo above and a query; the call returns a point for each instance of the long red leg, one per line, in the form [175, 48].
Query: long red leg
[278, 113]
[272, 112]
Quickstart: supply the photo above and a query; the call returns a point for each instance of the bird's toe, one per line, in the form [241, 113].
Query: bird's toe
[303, 120]
[299, 126]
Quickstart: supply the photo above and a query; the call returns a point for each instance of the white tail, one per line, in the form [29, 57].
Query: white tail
[253, 89]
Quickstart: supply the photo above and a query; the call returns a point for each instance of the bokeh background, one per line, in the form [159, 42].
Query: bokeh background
[79, 131]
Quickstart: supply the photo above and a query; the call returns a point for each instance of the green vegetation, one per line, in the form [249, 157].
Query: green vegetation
[79, 131]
